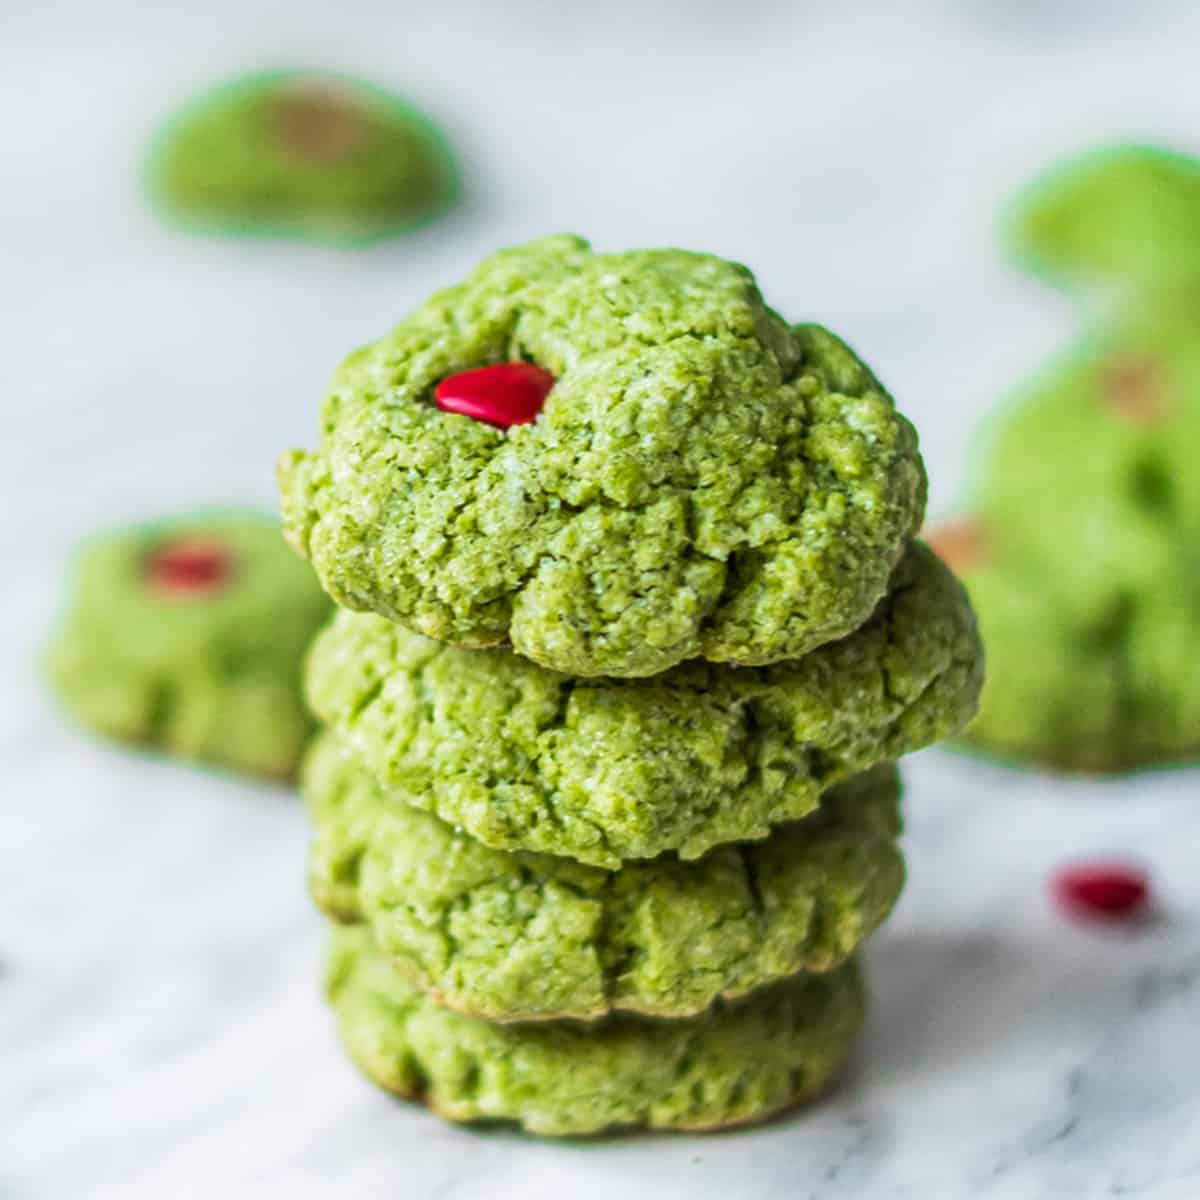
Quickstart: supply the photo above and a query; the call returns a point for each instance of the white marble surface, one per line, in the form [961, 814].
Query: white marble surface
[160, 1029]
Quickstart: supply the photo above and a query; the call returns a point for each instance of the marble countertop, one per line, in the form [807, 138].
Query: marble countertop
[161, 1032]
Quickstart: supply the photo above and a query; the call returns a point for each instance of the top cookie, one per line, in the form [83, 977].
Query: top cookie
[702, 481]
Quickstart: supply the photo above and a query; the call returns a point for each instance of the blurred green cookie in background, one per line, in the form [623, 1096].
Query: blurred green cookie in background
[732, 1064]
[1125, 215]
[1079, 550]
[188, 635]
[1096, 683]
[302, 154]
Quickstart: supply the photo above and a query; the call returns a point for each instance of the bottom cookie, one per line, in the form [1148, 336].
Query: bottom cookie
[734, 1064]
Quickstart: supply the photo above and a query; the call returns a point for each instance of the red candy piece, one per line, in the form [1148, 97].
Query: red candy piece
[189, 567]
[1102, 891]
[506, 394]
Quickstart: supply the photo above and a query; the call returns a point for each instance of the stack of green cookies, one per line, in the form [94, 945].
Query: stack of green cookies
[606, 800]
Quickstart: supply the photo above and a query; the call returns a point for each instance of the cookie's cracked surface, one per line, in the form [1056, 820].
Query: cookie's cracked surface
[731, 1065]
[607, 770]
[519, 937]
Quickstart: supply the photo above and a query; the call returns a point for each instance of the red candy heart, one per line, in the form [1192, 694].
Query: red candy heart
[189, 567]
[1101, 891]
[506, 394]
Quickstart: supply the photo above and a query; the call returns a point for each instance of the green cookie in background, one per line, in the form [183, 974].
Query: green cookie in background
[301, 154]
[1079, 548]
[1125, 217]
[188, 635]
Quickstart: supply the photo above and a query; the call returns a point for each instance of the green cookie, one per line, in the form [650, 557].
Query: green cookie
[1087, 695]
[1097, 454]
[731, 1065]
[301, 154]
[1078, 551]
[704, 480]
[1124, 215]
[1105, 685]
[518, 937]
[607, 770]
[189, 635]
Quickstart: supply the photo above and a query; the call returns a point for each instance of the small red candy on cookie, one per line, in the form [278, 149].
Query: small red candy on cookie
[189, 568]
[505, 394]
